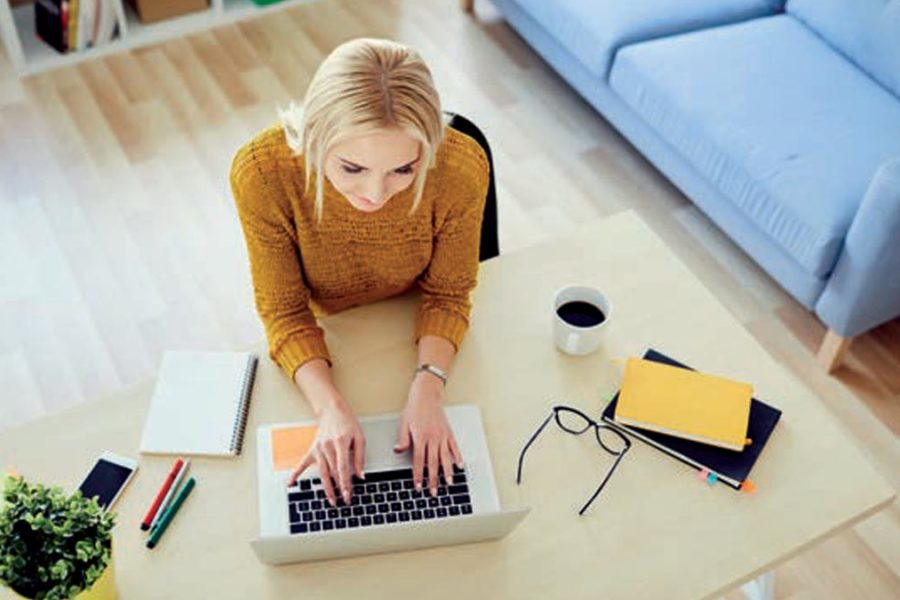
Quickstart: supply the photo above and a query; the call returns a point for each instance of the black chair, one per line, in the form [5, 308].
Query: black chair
[490, 242]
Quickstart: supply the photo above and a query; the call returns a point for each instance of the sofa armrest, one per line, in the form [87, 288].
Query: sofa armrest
[864, 288]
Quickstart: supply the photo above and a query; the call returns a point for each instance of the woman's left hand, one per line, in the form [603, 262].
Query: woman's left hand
[424, 425]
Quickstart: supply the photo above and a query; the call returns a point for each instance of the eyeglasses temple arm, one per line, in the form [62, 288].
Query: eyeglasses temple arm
[528, 444]
[605, 479]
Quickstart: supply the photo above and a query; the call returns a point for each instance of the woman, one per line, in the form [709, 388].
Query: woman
[362, 195]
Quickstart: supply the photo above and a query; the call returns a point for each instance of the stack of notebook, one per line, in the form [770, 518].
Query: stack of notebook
[710, 423]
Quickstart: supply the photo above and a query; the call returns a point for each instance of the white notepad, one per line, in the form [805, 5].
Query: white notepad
[200, 404]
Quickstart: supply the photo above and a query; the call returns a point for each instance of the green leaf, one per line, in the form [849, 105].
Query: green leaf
[60, 570]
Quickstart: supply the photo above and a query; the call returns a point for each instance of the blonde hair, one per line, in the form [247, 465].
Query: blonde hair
[362, 87]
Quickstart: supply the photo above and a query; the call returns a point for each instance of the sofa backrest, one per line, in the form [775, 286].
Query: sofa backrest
[865, 31]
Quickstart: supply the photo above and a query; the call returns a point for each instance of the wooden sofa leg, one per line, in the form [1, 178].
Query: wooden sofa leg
[467, 5]
[832, 350]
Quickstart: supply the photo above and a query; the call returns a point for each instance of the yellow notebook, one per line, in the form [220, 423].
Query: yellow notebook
[684, 403]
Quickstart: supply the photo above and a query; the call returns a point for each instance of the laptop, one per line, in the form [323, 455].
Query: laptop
[386, 513]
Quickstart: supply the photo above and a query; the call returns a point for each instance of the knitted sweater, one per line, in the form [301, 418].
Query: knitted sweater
[302, 269]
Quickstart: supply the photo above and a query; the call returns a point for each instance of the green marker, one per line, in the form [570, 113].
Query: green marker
[167, 517]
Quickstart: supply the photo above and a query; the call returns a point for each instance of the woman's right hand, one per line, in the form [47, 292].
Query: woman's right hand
[338, 451]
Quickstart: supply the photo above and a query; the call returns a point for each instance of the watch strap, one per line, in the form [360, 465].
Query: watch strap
[436, 371]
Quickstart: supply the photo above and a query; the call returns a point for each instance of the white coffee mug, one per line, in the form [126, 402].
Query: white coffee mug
[582, 339]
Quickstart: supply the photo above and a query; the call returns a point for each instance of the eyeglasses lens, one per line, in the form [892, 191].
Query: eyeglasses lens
[611, 441]
[571, 421]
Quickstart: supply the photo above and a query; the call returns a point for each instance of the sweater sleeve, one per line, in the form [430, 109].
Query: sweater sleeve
[280, 293]
[452, 274]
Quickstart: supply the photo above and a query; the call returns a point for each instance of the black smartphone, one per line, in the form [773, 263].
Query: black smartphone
[107, 478]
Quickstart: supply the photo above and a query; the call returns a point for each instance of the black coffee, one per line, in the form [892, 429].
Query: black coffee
[580, 314]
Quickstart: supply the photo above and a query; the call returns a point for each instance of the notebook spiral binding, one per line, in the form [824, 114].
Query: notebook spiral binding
[240, 424]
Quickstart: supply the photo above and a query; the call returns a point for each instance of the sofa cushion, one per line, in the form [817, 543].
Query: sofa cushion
[593, 31]
[866, 31]
[780, 123]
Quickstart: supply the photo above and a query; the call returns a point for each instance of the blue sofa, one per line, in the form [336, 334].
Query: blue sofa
[779, 120]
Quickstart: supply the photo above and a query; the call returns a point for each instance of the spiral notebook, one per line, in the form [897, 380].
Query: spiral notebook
[200, 404]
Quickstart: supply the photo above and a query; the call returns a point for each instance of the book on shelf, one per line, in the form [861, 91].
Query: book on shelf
[76, 25]
[50, 19]
[86, 21]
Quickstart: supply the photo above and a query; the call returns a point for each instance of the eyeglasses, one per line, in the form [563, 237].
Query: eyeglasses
[574, 421]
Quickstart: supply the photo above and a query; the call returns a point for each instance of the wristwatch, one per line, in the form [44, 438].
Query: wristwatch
[436, 371]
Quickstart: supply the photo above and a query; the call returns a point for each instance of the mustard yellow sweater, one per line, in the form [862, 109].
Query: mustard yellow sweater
[302, 269]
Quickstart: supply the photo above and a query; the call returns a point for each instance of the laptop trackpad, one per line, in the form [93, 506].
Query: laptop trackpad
[381, 436]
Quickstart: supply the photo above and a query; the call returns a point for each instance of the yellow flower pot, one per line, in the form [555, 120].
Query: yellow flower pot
[103, 589]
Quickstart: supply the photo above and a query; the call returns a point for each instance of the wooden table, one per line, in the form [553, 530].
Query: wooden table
[656, 531]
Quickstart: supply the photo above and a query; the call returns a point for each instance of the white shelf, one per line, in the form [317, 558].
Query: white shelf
[36, 56]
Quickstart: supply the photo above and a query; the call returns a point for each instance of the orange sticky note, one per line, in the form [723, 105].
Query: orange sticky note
[290, 444]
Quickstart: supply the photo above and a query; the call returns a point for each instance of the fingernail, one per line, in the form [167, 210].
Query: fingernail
[418, 487]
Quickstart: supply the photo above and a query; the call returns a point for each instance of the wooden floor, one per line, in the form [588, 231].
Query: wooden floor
[118, 239]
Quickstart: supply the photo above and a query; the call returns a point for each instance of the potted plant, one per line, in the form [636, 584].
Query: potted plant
[53, 546]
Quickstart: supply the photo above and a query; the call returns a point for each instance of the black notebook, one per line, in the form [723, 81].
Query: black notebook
[730, 467]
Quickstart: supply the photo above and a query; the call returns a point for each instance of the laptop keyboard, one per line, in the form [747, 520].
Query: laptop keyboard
[383, 498]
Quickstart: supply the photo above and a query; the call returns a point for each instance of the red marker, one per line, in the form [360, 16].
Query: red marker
[145, 524]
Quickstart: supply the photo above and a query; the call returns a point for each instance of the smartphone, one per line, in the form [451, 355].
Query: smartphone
[107, 478]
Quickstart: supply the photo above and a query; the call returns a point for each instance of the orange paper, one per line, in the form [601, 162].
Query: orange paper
[290, 444]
